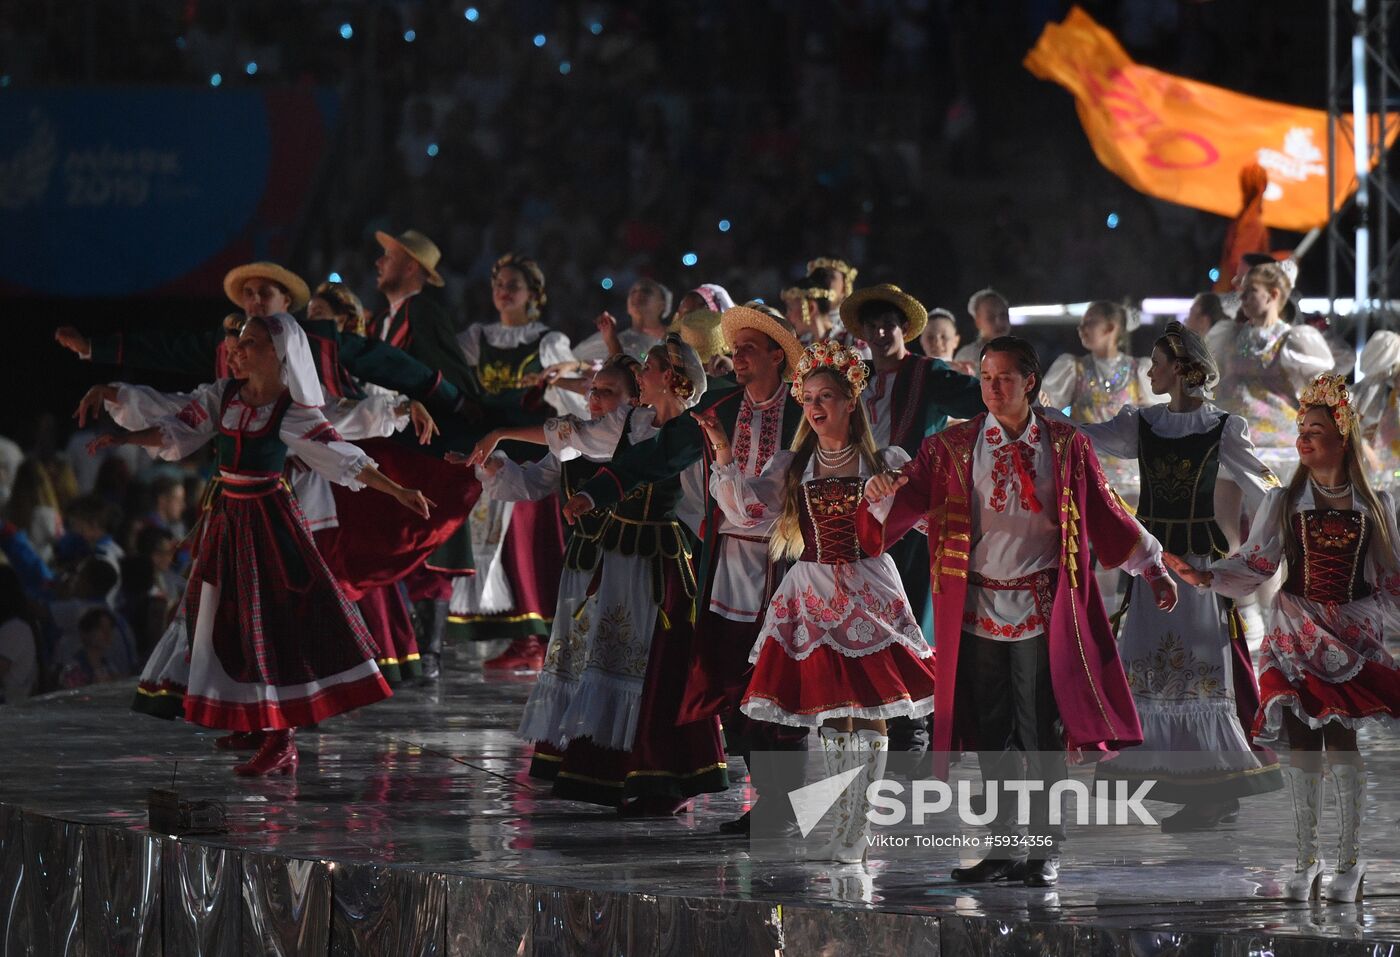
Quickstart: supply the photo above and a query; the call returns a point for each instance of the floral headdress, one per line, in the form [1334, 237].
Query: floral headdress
[1330, 392]
[827, 354]
[839, 265]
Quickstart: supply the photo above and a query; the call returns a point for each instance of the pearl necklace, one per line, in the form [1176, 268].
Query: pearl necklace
[834, 460]
[1331, 491]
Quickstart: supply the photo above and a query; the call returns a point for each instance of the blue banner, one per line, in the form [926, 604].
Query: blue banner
[107, 193]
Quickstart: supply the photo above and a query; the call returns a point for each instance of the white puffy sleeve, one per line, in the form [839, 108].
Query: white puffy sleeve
[470, 341]
[183, 432]
[1240, 464]
[1144, 384]
[1304, 356]
[569, 437]
[313, 440]
[1058, 386]
[139, 406]
[1220, 340]
[691, 508]
[752, 502]
[521, 483]
[1117, 437]
[1241, 573]
[554, 348]
[372, 417]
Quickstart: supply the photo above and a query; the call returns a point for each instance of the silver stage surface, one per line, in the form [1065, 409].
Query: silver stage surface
[412, 828]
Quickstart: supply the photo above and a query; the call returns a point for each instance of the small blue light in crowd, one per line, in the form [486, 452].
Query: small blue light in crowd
[5, 80]
[334, 277]
[179, 43]
[1112, 221]
[595, 28]
[472, 14]
[410, 35]
[724, 225]
[1214, 275]
[607, 282]
[539, 39]
[432, 149]
[689, 259]
[252, 68]
[566, 68]
[346, 31]
[216, 79]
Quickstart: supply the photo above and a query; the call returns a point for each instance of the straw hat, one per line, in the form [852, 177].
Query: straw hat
[419, 247]
[700, 328]
[296, 287]
[766, 320]
[915, 315]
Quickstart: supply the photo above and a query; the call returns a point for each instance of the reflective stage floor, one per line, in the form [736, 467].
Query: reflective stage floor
[411, 828]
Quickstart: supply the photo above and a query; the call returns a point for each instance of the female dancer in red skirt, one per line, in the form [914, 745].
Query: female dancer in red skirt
[840, 649]
[275, 644]
[1323, 670]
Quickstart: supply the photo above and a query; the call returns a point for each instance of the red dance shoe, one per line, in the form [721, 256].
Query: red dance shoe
[523, 654]
[278, 755]
[240, 741]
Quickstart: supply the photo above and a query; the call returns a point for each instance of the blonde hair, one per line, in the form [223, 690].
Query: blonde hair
[1360, 488]
[1272, 277]
[787, 543]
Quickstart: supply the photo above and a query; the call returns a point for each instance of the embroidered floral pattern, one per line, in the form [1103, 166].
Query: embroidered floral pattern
[770, 424]
[1171, 671]
[192, 415]
[1013, 462]
[1033, 625]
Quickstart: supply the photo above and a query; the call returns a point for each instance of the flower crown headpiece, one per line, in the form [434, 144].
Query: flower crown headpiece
[1330, 392]
[840, 265]
[800, 292]
[834, 356]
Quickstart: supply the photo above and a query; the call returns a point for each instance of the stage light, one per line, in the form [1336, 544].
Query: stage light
[595, 28]
[1112, 221]
[566, 68]
[689, 259]
[539, 39]
[5, 80]
[432, 149]
[216, 79]
[607, 282]
[410, 35]
[334, 277]
[1214, 275]
[724, 225]
[179, 43]
[346, 31]
[472, 14]
[251, 68]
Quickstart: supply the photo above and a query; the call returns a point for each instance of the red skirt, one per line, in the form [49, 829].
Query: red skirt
[888, 683]
[391, 626]
[378, 541]
[1372, 693]
[274, 642]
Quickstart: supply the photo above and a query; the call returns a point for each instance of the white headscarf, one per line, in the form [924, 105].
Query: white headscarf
[716, 296]
[1187, 346]
[294, 354]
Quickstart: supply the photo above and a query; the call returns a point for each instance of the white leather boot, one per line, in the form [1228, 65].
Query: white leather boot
[1305, 787]
[1350, 875]
[872, 753]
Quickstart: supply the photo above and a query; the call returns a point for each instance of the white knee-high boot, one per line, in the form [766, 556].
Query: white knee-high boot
[838, 754]
[1350, 874]
[1305, 787]
[872, 752]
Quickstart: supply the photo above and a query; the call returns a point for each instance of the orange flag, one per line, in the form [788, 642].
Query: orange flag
[1185, 141]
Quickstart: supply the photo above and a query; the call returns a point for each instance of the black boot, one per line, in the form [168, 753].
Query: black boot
[433, 616]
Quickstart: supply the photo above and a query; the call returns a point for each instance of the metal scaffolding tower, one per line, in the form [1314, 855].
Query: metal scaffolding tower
[1363, 251]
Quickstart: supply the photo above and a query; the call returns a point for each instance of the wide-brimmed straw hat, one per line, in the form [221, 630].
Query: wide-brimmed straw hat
[297, 290]
[770, 323]
[916, 316]
[700, 328]
[422, 250]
